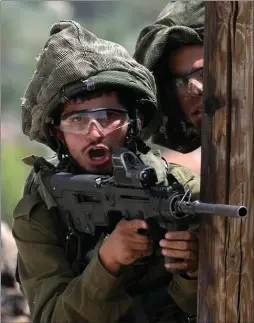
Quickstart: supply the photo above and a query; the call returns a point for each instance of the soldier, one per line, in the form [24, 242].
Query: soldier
[86, 97]
[172, 48]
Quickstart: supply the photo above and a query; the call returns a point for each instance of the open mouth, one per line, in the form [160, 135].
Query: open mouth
[98, 155]
[197, 116]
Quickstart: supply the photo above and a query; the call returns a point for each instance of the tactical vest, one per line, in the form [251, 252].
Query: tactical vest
[80, 247]
[71, 240]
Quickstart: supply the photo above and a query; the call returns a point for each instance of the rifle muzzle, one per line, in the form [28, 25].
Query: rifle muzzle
[196, 208]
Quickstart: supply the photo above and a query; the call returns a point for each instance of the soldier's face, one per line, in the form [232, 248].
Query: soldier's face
[91, 129]
[186, 64]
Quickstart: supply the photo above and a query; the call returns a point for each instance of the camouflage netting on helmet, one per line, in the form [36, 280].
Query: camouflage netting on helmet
[72, 56]
[180, 23]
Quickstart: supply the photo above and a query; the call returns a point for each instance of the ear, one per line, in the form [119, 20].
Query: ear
[141, 118]
[59, 133]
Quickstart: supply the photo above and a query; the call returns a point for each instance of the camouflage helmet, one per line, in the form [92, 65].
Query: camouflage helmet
[74, 60]
[179, 24]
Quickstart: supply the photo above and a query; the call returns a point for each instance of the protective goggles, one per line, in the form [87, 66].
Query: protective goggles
[106, 120]
[194, 76]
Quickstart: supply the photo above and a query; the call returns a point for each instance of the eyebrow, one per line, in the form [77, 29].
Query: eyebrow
[187, 73]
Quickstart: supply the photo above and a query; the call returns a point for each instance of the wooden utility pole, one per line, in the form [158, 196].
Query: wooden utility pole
[226, 265]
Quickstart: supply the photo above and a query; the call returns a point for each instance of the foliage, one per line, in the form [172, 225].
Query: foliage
[14, 174]
[25, 27]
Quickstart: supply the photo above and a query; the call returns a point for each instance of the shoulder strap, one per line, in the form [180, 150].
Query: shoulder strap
[154, 159]
[32, 182]
[74, 243]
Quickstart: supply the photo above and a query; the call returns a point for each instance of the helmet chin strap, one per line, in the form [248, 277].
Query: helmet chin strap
[132, 140]
[62, 150]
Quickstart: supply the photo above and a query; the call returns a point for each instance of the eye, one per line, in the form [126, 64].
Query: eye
[112, 115]
[76, 119]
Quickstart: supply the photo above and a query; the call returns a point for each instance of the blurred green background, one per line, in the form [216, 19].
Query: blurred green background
[25, 27]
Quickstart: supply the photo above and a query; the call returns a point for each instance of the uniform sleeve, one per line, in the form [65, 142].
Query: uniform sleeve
[53, 292]
[184, 293]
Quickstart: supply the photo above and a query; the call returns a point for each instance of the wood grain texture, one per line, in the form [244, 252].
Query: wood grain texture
[226, 275]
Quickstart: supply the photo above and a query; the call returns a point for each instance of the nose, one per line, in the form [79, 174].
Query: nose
[195, 87]
[94, 133]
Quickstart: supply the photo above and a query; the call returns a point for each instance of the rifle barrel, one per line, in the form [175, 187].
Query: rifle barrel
[197, 207]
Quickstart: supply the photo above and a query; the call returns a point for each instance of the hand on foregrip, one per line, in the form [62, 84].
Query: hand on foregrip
[180, 249]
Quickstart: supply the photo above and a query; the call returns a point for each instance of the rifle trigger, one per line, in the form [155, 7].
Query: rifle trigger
[156, 232]
[144, 232]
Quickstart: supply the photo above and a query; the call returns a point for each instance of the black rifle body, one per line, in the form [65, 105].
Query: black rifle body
[89, 199]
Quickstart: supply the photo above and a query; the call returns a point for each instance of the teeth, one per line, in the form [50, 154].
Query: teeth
[98, 158]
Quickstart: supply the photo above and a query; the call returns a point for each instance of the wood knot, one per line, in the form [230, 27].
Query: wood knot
[233, 261]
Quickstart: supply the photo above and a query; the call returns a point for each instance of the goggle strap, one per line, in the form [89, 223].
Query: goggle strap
[128, 123]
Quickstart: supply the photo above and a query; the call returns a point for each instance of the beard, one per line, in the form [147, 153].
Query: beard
[198, 128]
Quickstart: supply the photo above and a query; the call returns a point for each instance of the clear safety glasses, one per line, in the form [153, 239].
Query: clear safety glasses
[106, 120]
[187, 80]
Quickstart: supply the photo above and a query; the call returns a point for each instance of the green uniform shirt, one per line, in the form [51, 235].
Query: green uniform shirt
[55, 294]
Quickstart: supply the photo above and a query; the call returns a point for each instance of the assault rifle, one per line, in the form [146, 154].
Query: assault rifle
[88, 201]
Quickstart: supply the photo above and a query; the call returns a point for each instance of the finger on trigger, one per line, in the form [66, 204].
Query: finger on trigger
[138, 224]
